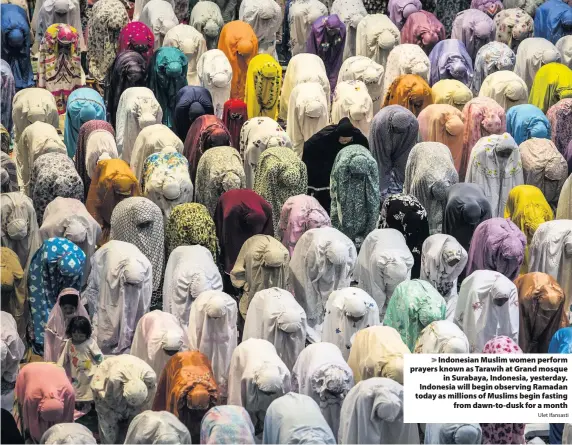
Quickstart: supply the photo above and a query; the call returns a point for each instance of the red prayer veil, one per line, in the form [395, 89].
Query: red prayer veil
[234, 115]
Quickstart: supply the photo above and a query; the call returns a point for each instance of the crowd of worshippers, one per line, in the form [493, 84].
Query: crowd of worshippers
[228, 222]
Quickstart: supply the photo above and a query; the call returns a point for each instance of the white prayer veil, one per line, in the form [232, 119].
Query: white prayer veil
[159, 16]
[532, 54]
[367, 71]
[99, 146]
[551, 253]
[262, 263]
[212, 330]
[32, 105]
[322, 262]
[373, 413]
[302, 68]
[257, 377]
[256, 135]
[138, 108]
[12, 350]
[296, 418]
[442, 337]
[487, 307]
[20, 231]
[383, 262]
[506, 88]
[351, 13]
[307, 114]
[36, 140]
[405, 59]
[377, 351]
[564, 45]
[68, 433]
[158, 336]
[206, 17]
[215, 74]
[376, 37]
[191, 43]
[190, 271]
[348, 311]
[118, 293]
[322, 373]
[352, 100]
[496, 166]
[275, 315]
[123, 386]
[157, 427]
[443, 259]
[301, 15]
[265, 18]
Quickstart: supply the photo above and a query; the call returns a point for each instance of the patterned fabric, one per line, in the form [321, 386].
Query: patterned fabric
[59, 63]
[560, 117]
[280, 174]
[9, 177]
[414, 305]
[493, 57]
[429, 174]
[16, 43]
[54, 175]
[227, 424]
[496, 166]
[326, 39]
[166, 180]
[513, 26]
[355, 193]
[406, 58]
[263, 83]
[502, 433]
[8, 90]
[167, 75]
[139, 221]
[375, 6]
[491, 7]
[406, 214]
[265, 17]
[482, 117]
[449, 11]
[81, 152]
[137, 36]
[191, 224]
[6, 139]
[220, 170]
[58, 264]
